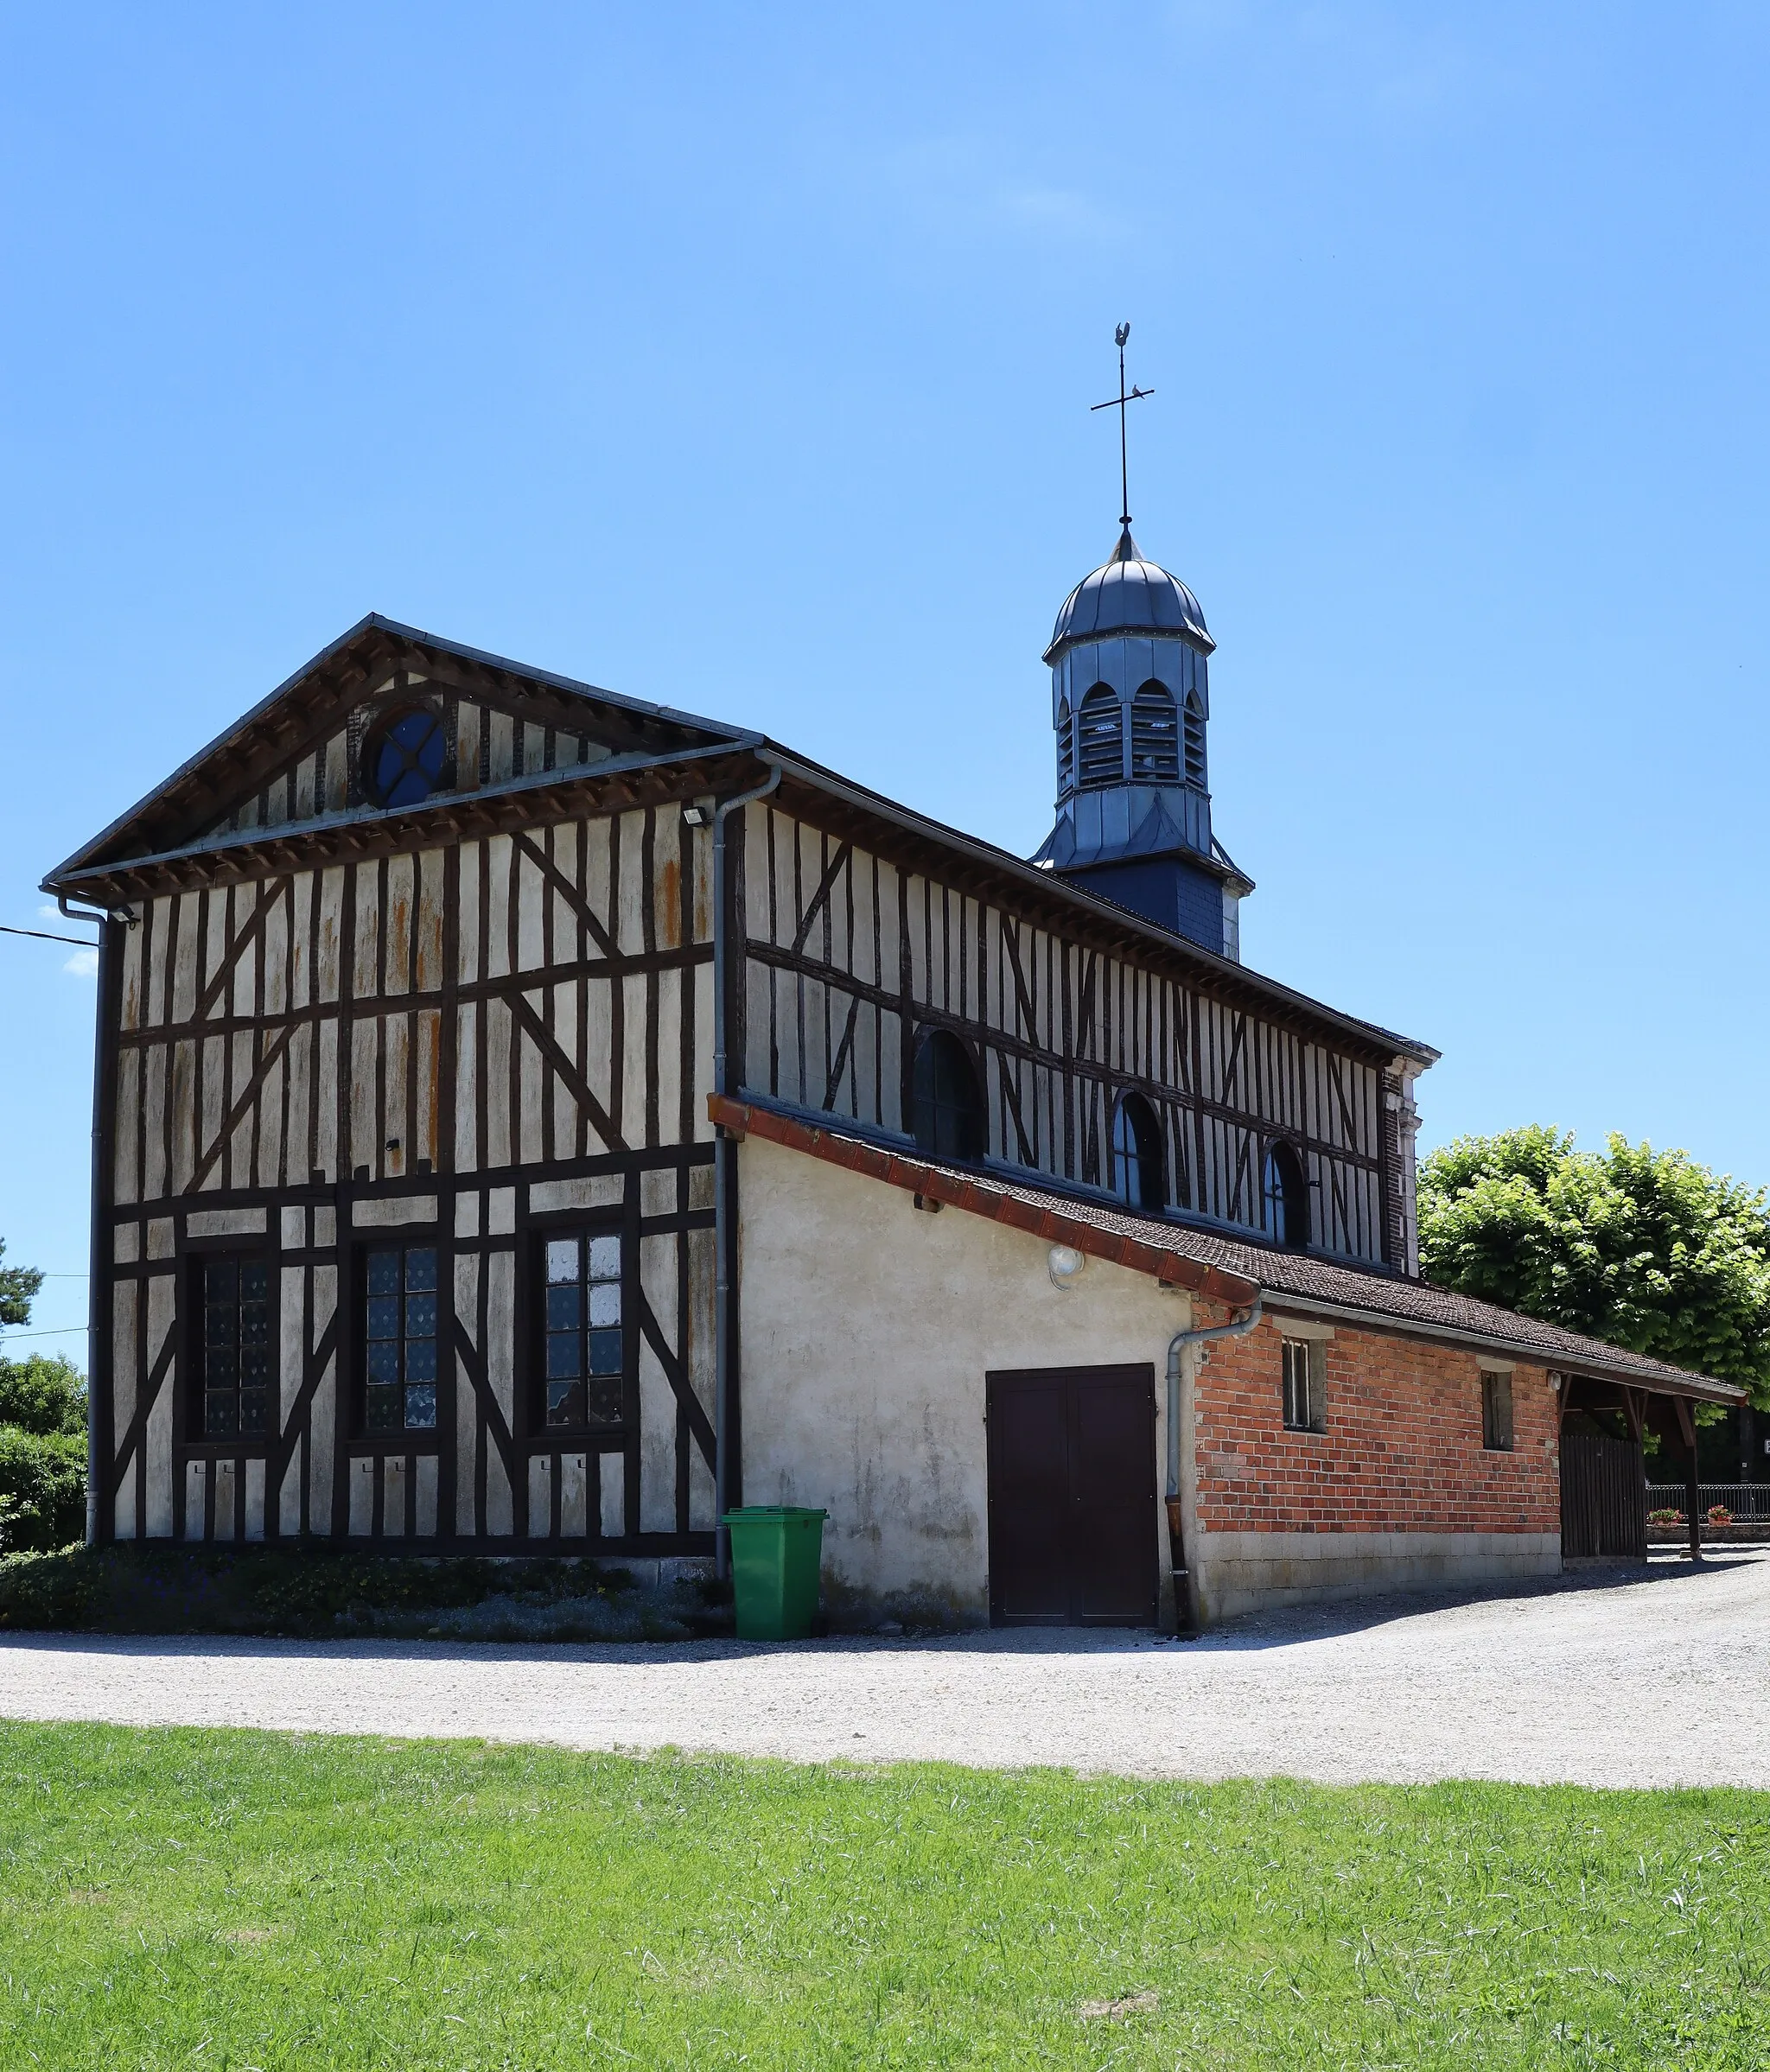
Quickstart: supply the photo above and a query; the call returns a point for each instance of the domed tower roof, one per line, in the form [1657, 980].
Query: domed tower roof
[1128, 595]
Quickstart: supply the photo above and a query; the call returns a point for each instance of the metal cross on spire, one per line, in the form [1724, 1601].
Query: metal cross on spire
[1117, 403]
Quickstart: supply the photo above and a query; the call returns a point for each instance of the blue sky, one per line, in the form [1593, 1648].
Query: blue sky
[742, 359]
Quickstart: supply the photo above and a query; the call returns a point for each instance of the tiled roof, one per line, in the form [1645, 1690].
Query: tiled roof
[1225, 1269]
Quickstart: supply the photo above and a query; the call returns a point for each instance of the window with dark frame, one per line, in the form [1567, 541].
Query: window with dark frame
[1137, 1177]
[1305, 1397]
[402, 762]
[237, 1378]
[1286, 1204]
[946, 1104]
[1496, 1411]
[583, 1363]
[400, 1315]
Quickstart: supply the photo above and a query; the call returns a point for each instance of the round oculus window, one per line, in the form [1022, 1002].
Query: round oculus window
[402, 762]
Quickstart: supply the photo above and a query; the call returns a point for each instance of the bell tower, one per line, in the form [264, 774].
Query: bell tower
[1130, 703]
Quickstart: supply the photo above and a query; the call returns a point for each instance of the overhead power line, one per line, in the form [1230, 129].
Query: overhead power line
[79, 942]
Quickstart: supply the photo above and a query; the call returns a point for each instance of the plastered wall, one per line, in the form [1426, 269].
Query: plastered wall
[869, 1326]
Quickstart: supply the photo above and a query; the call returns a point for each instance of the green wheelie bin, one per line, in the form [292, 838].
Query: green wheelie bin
[776, 1558]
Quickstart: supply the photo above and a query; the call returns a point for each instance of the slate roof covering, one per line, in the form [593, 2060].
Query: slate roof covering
[1223, 1268]
[1128, 595]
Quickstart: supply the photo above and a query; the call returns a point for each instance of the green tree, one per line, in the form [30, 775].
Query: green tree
[42, 1423]
[1647, 1249]
[43, 1393]
[18, 1286]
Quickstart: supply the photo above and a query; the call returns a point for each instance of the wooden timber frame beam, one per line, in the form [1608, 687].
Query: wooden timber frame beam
[983, 1197]
[577, 791]
[301, 713]
[1086, 921]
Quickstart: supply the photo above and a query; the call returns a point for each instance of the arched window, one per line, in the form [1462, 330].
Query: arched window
[1155, 746]
[948, 1104]
[1195, 740]
[1137, 1154]
[1287, 1198]
[403, 760]
[1100, 725]
[1066, 752]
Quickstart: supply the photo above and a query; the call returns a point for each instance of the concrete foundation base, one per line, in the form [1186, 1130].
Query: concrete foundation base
[1257, 1572]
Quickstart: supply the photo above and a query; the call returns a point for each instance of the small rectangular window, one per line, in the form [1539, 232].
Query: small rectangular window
[400, 1339]
[584, 1348]
[1305, 1398]
[234, 1358]
[1496, 1412]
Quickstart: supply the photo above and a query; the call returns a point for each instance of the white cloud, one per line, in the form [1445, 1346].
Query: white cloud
[84, 963]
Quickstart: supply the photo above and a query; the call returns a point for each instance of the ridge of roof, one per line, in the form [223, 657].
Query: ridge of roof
[377, 622]
[1224, 1268]
[86, 858]
[1049, 883]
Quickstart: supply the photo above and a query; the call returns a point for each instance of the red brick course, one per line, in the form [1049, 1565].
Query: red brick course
[1402, 1451]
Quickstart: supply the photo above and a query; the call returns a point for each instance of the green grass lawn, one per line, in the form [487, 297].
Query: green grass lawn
[218, 1899]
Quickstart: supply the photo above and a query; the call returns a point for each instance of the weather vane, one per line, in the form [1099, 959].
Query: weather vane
[1117, 403]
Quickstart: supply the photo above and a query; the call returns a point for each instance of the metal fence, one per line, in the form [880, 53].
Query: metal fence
[1747, 1501]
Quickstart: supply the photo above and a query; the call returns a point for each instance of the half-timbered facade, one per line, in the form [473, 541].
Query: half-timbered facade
[444, 1004]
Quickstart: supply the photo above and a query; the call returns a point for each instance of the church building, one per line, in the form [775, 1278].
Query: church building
[532, 1120]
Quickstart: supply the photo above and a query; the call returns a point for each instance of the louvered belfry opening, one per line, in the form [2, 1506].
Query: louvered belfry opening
[1066, 752]
[1100, 725]
[1195, 740]
[1155, 736]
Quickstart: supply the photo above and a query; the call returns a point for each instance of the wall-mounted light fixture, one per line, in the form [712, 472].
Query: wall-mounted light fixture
[1065, 1265]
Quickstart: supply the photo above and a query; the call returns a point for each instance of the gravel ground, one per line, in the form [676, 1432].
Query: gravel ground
[1655, 1679]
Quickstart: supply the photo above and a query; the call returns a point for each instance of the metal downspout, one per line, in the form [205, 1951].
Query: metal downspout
[98, 1233]
[724, 1187]
[1186, 1626]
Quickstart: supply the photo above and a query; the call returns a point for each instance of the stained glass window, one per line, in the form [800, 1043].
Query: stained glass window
[400, 1339]
[236, 1352]
[402, 763]
[584, 1360]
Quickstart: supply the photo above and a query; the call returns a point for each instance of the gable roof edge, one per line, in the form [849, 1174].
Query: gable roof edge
[84, 857]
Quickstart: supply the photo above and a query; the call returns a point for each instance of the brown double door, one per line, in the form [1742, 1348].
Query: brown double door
[1603, 1495]
[1073, 1519]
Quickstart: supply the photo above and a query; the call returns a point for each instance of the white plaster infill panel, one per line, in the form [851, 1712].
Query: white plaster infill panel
[869, 1328]
[225, 1222]
[389, 1214]
[593, 1191]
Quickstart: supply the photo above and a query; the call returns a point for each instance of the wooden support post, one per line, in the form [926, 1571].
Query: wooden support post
[1693, 1492]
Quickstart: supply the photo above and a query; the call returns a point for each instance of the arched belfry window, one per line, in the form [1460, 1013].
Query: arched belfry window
[947, 1117]
[1194, 740]
[1155, 742]
[1136, 1155]
[1287, 1198]
[1100, 727]
[1066, 750]
[403, 758]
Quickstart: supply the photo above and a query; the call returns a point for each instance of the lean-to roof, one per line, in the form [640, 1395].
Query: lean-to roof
[1223, 1268]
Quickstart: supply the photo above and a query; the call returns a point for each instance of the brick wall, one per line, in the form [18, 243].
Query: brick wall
[1402, 1451]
